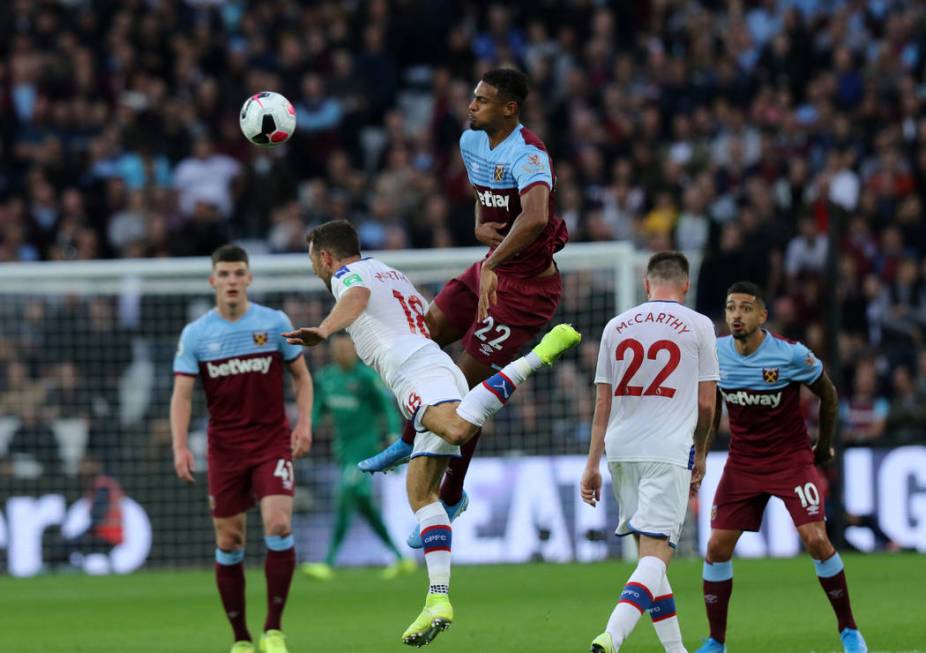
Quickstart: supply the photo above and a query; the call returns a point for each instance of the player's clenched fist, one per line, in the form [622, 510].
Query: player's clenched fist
[590, 486]
[184, 464]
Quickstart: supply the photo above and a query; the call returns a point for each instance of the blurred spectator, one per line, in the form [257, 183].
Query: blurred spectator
[206, 178]
[906, 423]
[864, 412]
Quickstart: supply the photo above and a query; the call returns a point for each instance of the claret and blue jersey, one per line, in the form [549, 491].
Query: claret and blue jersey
[762, 394]
[240, 365]
[500, 176]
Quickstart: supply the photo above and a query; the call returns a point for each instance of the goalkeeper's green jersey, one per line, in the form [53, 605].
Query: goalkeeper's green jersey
[362, 410]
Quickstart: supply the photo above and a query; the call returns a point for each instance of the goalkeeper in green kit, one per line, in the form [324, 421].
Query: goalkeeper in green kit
[363, 416]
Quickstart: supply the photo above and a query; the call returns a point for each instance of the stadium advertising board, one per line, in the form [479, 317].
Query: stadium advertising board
[521, 509]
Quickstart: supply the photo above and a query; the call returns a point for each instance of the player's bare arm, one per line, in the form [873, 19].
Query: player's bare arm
[823, 387]
[590, 485]
[707, 404]
[535, 213]
[487, 233]
[301, 440]
[348, 308]
[181, 407]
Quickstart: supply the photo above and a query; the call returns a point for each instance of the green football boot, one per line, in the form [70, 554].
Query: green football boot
[243, 647]
[436, 617]
[556, 341]
[273, 641]
[603, 644]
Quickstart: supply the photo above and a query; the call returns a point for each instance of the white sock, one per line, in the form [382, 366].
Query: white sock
[665, 619]
[436, 536]
[636, 598]
[488, 397]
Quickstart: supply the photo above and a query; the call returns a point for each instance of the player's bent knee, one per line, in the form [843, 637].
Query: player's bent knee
[279, 527]
[817, 544]
[229, 541]
[459, 432]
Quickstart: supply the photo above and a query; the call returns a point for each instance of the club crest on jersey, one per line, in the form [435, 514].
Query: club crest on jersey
[810, 360]
[770, 374]
[499, 172]
[260, 338]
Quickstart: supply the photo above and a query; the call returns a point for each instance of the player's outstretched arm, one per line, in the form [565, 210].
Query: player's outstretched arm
[301, 440]
[590, 486]
[347, 309]
[829, 410]
[181, 407]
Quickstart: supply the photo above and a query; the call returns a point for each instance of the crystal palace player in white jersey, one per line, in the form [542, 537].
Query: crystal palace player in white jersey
[384, 314]
[656, 379]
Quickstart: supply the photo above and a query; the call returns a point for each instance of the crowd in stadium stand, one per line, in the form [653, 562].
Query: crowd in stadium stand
[737, 130]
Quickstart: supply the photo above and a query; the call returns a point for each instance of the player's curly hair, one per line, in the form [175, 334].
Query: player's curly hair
[511, 84]
[229, 253]
[337, 236]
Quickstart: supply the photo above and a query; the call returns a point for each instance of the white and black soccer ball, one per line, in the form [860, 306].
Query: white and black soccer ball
[267, 119]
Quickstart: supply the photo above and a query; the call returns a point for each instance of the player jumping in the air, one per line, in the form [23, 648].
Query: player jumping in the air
[656, 383]
[384, 315]
[237, 351]
[502, 302]
[770, 455]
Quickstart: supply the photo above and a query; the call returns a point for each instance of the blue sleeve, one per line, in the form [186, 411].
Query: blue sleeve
[532, 167]
[805, 367]
[466, 150]
[290, 352]
[185, 359]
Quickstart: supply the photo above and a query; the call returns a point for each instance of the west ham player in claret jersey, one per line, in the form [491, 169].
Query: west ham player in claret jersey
[501, 303]
[238, 352]
[655, 393]
[770, 455]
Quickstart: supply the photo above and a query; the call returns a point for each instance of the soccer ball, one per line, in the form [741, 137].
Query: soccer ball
[267, 119]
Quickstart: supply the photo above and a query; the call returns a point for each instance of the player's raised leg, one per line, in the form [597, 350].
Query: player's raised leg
[487, 398]
[718, 586]
[832, 577]
[277, 514]
[423, 480]
[229, 577]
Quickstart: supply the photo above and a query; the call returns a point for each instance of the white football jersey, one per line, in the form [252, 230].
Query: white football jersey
[653, 357]
[392, 327]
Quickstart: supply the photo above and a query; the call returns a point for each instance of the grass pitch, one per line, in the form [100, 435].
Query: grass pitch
[777, 606]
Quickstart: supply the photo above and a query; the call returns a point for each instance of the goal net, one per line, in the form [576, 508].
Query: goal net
[86, 351]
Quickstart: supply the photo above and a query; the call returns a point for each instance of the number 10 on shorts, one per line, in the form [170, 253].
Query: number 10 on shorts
[809, 496]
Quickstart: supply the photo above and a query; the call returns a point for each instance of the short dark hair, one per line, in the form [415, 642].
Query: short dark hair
[511, 84]
[667, 266]
[337, 236]
[747, 288]
[229, 253]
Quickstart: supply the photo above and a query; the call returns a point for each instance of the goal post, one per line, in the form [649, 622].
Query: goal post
[87, 351]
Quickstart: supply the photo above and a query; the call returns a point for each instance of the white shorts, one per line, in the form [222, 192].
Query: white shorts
[429, 377]
[652, 498]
